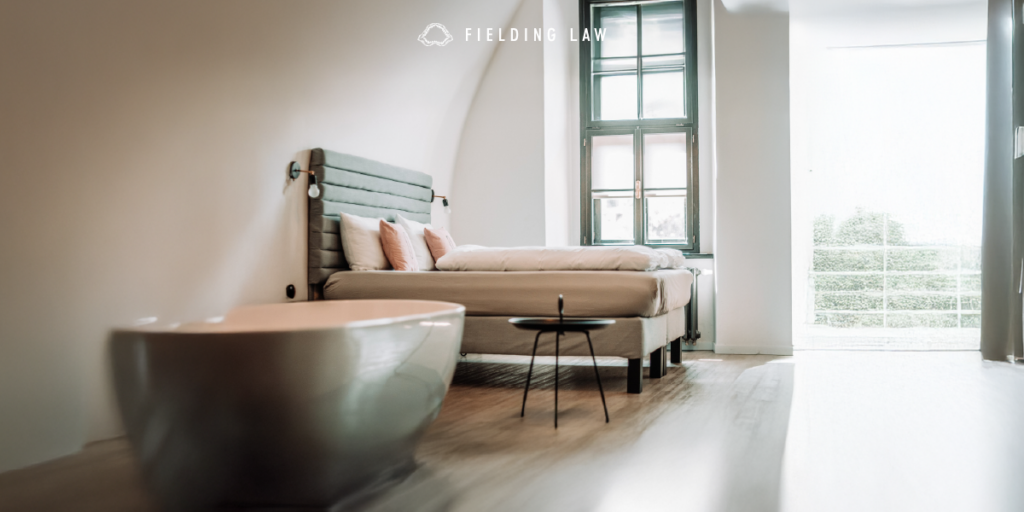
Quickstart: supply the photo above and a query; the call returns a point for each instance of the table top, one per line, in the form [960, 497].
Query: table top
[568, 324]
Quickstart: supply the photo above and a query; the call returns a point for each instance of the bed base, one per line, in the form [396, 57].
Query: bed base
[635, 369]
[628, 338]
[635, 376]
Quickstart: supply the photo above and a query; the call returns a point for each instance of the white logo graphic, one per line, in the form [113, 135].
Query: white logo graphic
[435, 38]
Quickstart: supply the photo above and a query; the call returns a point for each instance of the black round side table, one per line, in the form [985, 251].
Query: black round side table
[561, 326]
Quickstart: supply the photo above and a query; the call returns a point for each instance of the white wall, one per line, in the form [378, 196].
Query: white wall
[518, 161]
[145, 147]
[561, 120]
[753, 303]
[705, 130]
[706, 285]
[498, 197]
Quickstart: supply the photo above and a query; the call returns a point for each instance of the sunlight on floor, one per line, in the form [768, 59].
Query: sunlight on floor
[820, 337]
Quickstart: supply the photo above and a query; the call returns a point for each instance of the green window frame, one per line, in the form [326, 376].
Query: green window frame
[658, 136]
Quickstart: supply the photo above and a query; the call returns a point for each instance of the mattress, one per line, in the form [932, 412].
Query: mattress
[533, 259]
[587, 293]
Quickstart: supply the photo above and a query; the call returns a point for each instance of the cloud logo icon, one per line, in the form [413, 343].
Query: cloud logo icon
[431, 37]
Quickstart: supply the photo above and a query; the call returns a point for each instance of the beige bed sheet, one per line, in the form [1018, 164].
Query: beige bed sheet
[610, 294]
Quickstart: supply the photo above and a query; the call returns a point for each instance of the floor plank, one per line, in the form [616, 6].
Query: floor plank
[825, 430]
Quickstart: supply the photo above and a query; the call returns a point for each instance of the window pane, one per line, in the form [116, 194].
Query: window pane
[619, 24]
[664, 95]
[615, 97]
[666, 216]
[638, 71]
[613, 219]
[663, 28]
[665, 160]
[612, 162]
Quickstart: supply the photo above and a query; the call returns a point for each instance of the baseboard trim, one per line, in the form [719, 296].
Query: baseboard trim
[753, 349]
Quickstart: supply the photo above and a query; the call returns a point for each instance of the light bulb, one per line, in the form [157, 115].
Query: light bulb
[314, 191]
[447, 209]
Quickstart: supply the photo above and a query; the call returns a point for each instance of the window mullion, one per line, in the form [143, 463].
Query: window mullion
[639, 217]
[638, 209]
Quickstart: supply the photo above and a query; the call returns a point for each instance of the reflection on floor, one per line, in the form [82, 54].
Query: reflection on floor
[822, 431]
[821, 337]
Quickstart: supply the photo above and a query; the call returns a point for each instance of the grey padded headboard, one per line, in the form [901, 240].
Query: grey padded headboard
[357, 186]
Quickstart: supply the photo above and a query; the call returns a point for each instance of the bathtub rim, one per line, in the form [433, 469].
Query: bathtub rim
[183, 328]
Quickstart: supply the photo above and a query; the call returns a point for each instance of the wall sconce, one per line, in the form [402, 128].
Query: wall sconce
[294, 170]
[444, 201]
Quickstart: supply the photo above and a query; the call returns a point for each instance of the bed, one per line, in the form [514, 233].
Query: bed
[650, 308]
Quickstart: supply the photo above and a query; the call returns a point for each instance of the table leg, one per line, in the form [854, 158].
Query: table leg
[598, 375]
[530, 373]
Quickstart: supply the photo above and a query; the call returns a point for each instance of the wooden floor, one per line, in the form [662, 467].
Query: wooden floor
[821, 431]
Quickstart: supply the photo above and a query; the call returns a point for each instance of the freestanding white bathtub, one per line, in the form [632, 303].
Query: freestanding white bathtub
[302, 405]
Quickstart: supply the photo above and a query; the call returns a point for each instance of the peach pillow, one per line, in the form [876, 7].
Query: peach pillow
[397, 246]
[439, 242]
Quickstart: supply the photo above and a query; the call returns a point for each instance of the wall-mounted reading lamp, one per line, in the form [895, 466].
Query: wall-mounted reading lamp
[294, 170]
[444, 201]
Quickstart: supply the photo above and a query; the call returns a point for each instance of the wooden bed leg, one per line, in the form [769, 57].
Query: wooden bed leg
[635, 376]
[677, 350]
[658, 365]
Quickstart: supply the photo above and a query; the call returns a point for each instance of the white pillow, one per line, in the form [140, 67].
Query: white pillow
[360, 239]
[673, 258]
[419, 242]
